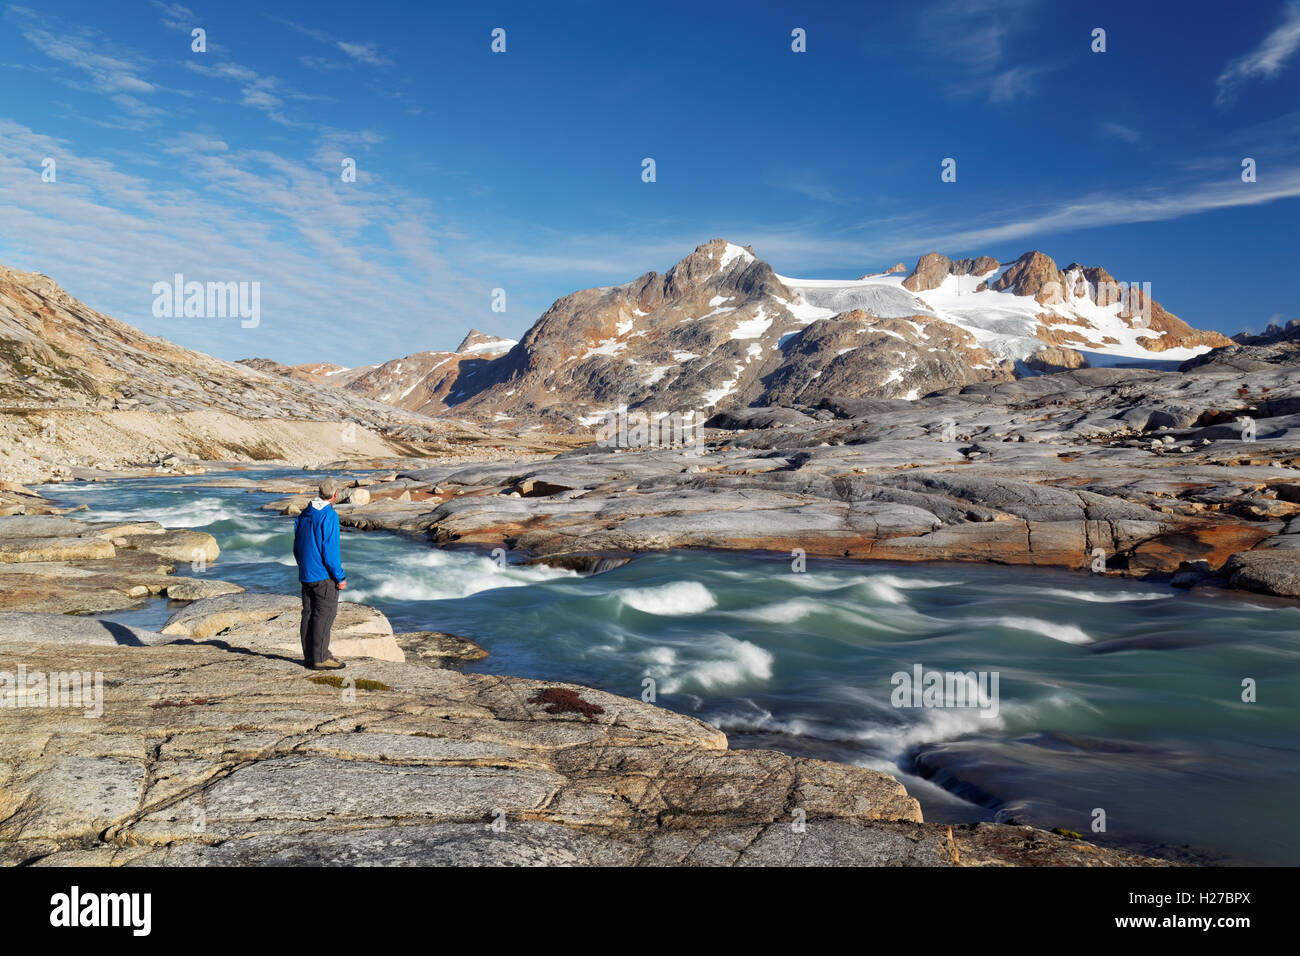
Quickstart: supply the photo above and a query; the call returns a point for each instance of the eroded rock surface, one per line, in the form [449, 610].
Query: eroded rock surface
[213, 755]
[65, 565]
[1144, 473]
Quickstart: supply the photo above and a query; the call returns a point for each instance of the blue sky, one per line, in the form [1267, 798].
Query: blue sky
[522, 170]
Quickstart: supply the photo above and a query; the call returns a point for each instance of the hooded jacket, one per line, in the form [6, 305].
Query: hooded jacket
[316, 543]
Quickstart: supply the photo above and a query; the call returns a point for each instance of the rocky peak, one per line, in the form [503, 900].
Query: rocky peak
[480, 343]
[1290, 332]
[721, 264]
[1033, 274]
[980, 265]
[931, 269]
[892, 270]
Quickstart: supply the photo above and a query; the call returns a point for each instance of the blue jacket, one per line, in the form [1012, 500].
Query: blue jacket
[316, 545]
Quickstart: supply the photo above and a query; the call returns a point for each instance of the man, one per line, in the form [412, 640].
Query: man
[316, 549]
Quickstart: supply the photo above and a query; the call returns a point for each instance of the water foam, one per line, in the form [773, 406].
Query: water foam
[888, 738]
[672, 600]
[1104, 597]
[735, 663]
[447, 575]
[783, 612]
[1066, 633]
[191, 514]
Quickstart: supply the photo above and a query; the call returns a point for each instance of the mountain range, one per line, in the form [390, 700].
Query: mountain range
[721, 330]
[718, 332]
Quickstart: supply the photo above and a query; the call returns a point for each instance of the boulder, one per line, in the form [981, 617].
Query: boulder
[186, 546]
[270, 621]
[40, 526]
[356, 496]
[194, 589]
[1056, 359]
[113, 532]
[15, 549]
[1269, 571]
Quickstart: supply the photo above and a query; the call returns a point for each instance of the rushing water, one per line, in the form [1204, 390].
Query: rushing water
[1114, 695]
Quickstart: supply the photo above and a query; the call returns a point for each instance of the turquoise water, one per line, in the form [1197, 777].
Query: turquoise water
[1111, 695]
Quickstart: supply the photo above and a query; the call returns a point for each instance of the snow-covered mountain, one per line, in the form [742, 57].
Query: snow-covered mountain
[721, 330]
[418, 383]
[422, 382]
[1014, 307]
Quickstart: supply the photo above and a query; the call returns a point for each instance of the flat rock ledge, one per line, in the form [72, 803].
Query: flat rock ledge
[269, 622]
[230, 753]
[61, 565]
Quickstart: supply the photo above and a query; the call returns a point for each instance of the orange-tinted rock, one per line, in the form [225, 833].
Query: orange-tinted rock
[1213, 543]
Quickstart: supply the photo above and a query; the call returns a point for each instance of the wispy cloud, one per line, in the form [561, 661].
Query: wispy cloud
[321, 63]
[361, 52]
[1119, 131]
[175, 16]
[87, 67]
[365, 52]
[261, 92]
[807, 247]
[336, 261]
[1112, 209]
[975, 37]
[811, 187]
[1264, 62]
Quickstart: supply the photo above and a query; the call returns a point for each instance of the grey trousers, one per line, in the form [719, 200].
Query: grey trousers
[320, 602]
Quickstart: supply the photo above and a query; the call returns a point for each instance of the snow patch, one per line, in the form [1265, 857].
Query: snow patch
[752, 328]
[731, 253]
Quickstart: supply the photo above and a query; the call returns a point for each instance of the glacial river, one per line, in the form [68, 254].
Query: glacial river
[1117, 704]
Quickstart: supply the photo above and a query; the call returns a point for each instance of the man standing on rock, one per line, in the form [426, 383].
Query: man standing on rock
[316, 549]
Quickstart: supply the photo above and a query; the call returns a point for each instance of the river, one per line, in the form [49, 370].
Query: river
[1112, 696]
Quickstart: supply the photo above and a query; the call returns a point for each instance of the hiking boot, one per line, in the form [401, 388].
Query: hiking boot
[332, 664]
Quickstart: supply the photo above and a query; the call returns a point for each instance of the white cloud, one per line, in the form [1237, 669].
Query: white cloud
[1106, 209]
[810, 247]
[264, 93]
[176, 17]
[973, 38]
[346, 269]
[1264, 62]
[361, 52]
[365, 52]
[85, 66]
[1014, 83]
[1119, 131]
[809, 186]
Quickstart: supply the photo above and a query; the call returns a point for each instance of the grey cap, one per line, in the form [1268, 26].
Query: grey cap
[329, 488]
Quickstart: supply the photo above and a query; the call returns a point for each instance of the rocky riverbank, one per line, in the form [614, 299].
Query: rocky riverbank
[1185, 477]
[211, 744]
[221, 752]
